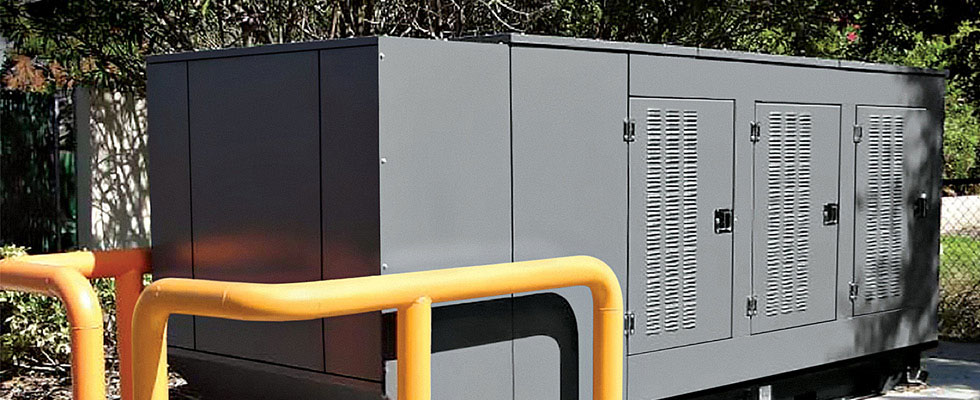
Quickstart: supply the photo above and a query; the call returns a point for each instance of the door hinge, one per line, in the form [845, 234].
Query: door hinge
[858, 133]
[852, 291]
[831, 214]
[755, 132]
[751, 306]
[724, 220]
[629, 323]
[629, 130]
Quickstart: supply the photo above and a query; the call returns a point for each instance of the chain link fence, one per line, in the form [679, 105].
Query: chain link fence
[959, 269]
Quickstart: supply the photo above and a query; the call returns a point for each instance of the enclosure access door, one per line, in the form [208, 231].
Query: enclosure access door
[680, 266]
[890, 148]
[794, 267]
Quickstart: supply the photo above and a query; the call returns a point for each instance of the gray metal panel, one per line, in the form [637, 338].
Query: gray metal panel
[219, 377]
[169, 169]
[255, 164]
[570, 185]
[892, 172]
[681, 171]
[747, 356]
[796, 173]
[445, 184]
[351, 222]
[709, 365]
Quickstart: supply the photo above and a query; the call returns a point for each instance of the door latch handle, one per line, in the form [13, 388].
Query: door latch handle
[724, 220]
[921, 206]
[831, 214]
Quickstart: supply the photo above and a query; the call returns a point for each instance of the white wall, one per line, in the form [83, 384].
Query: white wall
[113, 187]
[960, 215]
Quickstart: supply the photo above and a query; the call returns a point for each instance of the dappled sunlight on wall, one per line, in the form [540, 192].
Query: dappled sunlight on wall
[114, 202]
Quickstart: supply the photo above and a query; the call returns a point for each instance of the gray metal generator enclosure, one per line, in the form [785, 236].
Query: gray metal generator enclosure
[764, 214]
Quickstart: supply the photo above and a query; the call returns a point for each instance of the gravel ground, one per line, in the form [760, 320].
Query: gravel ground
[44, 386]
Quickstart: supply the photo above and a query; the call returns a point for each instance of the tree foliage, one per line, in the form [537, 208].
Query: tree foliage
[37, 158]
[60, 43]
[103, 42]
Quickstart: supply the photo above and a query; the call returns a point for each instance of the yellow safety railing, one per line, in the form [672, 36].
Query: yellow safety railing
[66, 275]
[411, 293]
[84, 316]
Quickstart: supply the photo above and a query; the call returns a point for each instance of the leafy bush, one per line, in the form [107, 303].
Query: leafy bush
[34, 331]
[10, 250]
[959, 276]
[962, 134]
[962, 125]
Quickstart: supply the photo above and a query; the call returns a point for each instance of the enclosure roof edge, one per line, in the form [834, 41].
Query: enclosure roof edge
[263, 49]
[520, 39]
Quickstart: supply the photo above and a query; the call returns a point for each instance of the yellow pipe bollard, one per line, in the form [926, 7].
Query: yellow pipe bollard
[84, 316]
[411, 293]
[127, 268]
[415, 349]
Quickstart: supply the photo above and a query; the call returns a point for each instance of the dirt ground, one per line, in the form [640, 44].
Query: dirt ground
[41, 386]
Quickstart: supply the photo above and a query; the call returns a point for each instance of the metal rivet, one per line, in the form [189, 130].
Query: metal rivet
[384, 160]
[381, 56]
[384, 266]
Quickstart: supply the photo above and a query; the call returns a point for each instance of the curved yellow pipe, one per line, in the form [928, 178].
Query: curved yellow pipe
[84, 316]
[127, 268]
[411, 293]
[97, 264]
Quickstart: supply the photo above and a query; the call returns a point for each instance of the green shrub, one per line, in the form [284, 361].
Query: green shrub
[34, 328]
[962, 134]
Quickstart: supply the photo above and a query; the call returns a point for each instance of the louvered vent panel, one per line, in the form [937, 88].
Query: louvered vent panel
[671, 220]
[788, 226]
[883, 260]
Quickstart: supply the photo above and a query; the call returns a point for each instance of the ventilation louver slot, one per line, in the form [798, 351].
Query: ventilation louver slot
[788, 225]
[883, 260]
[671, 220]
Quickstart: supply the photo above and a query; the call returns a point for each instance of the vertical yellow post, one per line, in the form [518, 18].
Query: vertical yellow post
[607, 351]
[128, 287]
[415, 350]
[87, 362]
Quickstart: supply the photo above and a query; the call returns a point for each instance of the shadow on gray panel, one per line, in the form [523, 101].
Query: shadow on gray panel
[466, 325]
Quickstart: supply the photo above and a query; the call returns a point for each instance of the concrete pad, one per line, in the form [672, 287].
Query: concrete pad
[953, 373]
[956, 351]
[929, 392]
